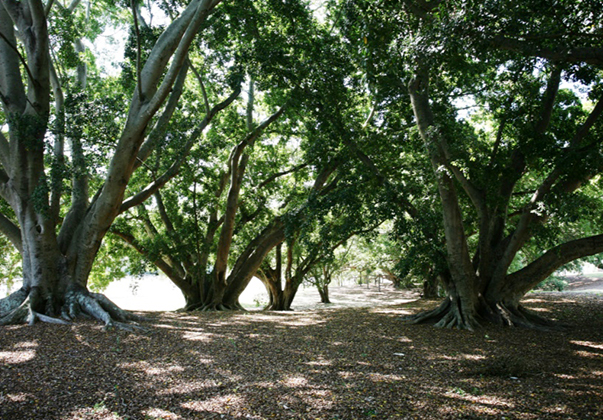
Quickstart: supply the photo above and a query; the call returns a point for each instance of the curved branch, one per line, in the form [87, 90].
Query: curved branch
[159, 263]
[12, 232]
[173, 170]
[138, 48]
[550, 95]
[160, 127]
[279, 174]
[528, 277]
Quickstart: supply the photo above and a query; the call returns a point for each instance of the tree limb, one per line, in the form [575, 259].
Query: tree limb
[527, 278]
[279, 174]
[166, 268]
[11, 231]
[138, 48]
[549, 100]
[161, 125]
[201, 84]
[173, 170]
[169, 226]
[589, 55]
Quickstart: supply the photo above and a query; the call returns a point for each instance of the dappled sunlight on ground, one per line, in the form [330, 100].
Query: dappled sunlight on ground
[349, 363]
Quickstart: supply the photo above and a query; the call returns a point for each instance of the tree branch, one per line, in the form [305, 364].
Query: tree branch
[201, 84]
[168, 270]
[173, 170]
[138, 48]
[279, 174]
[11, 231]
[549, 100]
[161, 125]
[589, 55]
[527, 278]
[169, 226]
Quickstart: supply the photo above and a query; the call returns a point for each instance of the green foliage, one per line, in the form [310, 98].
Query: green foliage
[10, 265]
[553, 283]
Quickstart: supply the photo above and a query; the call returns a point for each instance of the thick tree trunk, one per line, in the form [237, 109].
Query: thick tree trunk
[51, 294]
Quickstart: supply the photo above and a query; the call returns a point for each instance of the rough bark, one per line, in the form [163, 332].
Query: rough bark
[482, 290]
[56, 268]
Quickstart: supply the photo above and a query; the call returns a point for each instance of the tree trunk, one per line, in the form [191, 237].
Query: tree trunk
[56, 270]
[49, 293]
[430, 287]
[323, 291]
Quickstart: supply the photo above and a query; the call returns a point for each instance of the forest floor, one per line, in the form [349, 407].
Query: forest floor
[335, 363]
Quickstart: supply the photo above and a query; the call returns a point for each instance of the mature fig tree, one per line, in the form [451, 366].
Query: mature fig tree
[516, 167]
[58, 249]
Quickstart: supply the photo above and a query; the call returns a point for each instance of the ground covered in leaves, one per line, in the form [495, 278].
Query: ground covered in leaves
[339, 363]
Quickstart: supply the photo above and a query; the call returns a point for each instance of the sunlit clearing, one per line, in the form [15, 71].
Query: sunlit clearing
[189, 387]
[320, 363]
[564, 376]
[302, 322]
[378, 377]
[20, 397]
[392, 310]
[149, 369]
[15, 357]
[589, 354]
[473, 395]
[26, 344]
[197, 336]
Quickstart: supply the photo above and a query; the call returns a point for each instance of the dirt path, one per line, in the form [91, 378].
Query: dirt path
[580, 283]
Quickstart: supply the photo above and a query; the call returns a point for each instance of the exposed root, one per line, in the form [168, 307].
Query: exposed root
[24, 306]
[191, 307]
[115, 311]
[13, 301]
[51, 320]
[447, 315]
[450, 315]
[215, 307]
[18, 315]
[429, 316]
[25, 313]
[518, 316]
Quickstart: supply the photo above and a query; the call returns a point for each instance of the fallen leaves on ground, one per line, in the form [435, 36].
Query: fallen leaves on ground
[332, 364]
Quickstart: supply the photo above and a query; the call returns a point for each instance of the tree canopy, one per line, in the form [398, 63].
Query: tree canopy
[257, 137]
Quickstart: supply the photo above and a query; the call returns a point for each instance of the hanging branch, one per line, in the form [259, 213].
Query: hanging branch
[201, 84]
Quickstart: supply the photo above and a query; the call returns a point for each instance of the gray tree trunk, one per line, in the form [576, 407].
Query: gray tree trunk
[56, 267]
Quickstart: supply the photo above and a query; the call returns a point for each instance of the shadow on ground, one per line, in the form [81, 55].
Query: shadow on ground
[339, 364]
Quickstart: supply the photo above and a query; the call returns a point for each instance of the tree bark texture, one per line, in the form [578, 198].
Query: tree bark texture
[57, 262]
[481, 289]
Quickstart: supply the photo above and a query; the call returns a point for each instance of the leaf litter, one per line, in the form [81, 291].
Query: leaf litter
[342, 363]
